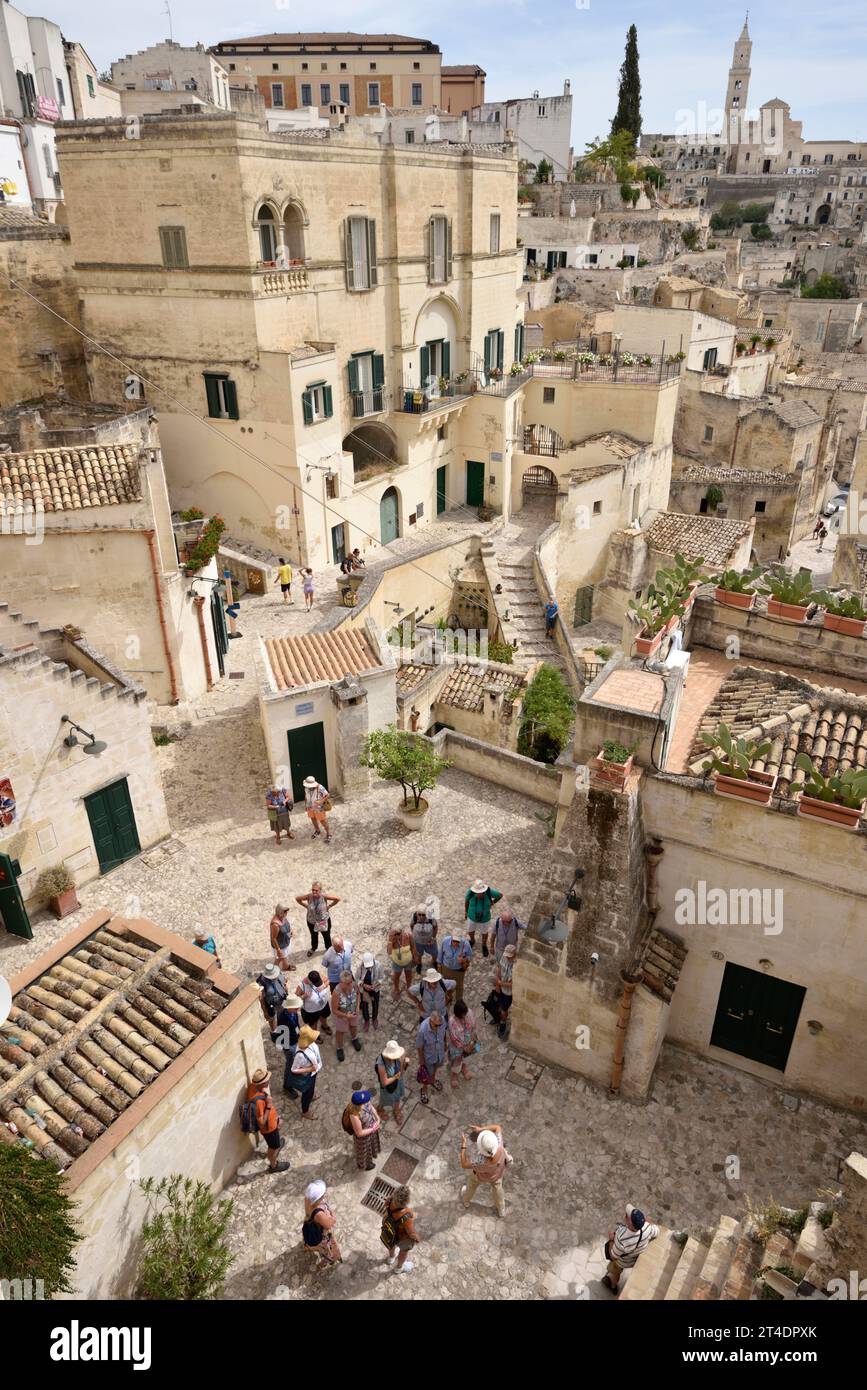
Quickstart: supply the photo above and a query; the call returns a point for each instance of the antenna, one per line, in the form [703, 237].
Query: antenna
[168, 11]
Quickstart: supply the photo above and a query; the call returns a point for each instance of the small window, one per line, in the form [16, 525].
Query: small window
[332, 486]
[541, 110]
[344, 93]
[373, 94]
[275, 67]
[702, 507]
[306, 94]
[325, 94]
[495, 233]
[323, 67]
[760, 507]
[373, 67]
[416, 67]
[708, 433]
[222, 396]
[231, 67]
[548, 395]
[277, 94]
[416, 94]
[419, 509]
[305, 67]
[61, 97]
[441, 432]
[439, 250]
[343, 67]
[91, 90]
[597, 508]
[173, 244]
[409, 137]
[808, 454]
[317, 402]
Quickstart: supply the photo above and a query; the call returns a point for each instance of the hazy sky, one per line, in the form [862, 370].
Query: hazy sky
[810, 55]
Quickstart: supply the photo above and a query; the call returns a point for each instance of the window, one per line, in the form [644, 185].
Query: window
[46, 159]
[366, 376]
[760, 507]
[61, 97]
[416, 67]
[344, 93]
[325, 94]
[373, 93]
[494, 350]
[360, 246]
[702, 506]
[343, 67]
[548, 395]
[231, 67]
[829, 159]
[519, 342]
[416, 94]
[222, 396]
[323, 67]
[439, 250]
[91, 90]
[409, 137]
[317, 402]
[306, 94]
[275, 67]
[173, 244]
[495, 233]
[26, 92]
[708, 433]
[541, 109]
[305, 67]
[441, 432]
[276, 93]
[373, 67]
[597, 508]
[332, 492]
[267, 224]
[435, 360]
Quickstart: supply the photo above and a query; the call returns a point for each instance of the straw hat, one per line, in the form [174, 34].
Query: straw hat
[479, 886]
[432, 977]
[310, 782]
[393, 1050]
[487, 1143]
[293, 1002]
[307, 1036]
[260, 1076]
[272, 972]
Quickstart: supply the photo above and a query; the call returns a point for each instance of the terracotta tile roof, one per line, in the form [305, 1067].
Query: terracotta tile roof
[410, 677]
[462, 70]
[466, 686]
[796, 413]
[829, 725]
[660, 963]
[319, 656]
[708, 473]
[18, 222]
[589, 475]
[86, 1037]
[63, 480]
[714, 538]
[632, 688]
[621, 445]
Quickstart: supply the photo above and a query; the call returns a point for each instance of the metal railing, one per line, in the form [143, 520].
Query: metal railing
[418, 400]
[370, 402]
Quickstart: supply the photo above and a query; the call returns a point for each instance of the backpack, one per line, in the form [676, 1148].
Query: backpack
[275, 992]
[345, 1120]
[247, 1114]
[284, 936]
[391, 1226]
[311, 1233]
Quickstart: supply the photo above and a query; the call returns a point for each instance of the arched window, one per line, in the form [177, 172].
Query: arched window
[293, 232]
[266, 223]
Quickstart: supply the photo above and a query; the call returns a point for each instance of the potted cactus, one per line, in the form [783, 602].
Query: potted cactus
[654, 620]
[733, 766]
[838, 798]
[844, 614]
[789, 595]
[735, 590]
[56, 888]
[613, 764]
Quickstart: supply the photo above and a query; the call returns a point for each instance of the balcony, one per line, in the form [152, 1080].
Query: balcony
[438, 395]
[292, 280]
[370, 402]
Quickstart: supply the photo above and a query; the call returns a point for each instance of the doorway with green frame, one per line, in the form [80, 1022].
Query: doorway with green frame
[441, 488]
[307, 757]
[475, 483]
[13, 913]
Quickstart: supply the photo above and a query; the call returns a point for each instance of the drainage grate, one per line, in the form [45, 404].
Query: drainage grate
[524, 1073]
[399, 1166]
[237, 675]
[377, 1195]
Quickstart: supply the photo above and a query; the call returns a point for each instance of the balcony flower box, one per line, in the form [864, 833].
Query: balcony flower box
[791, 612]
[730, 599]
[850, 627]
[830, 811]
[614, 774]
[756, 786]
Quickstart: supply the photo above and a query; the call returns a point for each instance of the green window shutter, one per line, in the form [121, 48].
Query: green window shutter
[212, 392]
[429, 241]
[352, 374]
[448, 249]
[307, 407]
[328, 402]
[424, 363]
[372, 269]
[500, 340]
[231, 398]
[488, 345]
[378, 370]
[347, 253]
[447, 358]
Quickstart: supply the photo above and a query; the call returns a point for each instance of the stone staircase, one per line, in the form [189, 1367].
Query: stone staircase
[727, 1269]
[526, 611]
[24, 644]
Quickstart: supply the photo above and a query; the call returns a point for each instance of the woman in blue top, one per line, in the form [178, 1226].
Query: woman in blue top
[206, 942]
[430, 1041]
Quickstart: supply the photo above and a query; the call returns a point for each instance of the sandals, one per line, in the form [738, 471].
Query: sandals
[437, 1085]
[425, 1100]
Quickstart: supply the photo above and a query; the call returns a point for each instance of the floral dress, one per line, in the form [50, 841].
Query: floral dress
[461, 1035]
[367, 1146]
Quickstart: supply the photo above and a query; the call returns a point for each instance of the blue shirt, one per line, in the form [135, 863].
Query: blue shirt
[551, 611]
[336, 962]
[507, 935]
[455, 955]
[209, 945]
[432, 1041]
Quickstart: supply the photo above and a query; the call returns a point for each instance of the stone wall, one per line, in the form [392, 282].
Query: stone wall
[41, 352]
[806, 646]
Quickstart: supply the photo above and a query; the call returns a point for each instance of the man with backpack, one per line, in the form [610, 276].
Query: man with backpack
[398, 1233]
[259, 1116]
[272, 992]
[478, 905]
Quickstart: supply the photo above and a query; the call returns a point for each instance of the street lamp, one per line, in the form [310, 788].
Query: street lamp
[553, 929]
[95, 746]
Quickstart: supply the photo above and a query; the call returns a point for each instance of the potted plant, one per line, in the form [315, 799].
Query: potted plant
[838, 798]
[653, 627]
[646, 359]
[770, 343]
[755, 339]
[844, 614]
[56, 888]
[735, 590]
[516, 369]
[740, 349]
[733, 766]
[613, 763]
[790, 595]
[410, 759]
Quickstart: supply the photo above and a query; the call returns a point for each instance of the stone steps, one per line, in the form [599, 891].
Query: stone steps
[718, 1260]
[687, 1271]
[651, 1275]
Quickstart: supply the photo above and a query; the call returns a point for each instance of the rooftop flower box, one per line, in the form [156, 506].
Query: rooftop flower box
[734, 590]
[837, 798]
[731, 762]
[613, 764]
[843, 613]
[789, 595]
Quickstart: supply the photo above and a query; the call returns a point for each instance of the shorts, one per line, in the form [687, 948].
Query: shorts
[272, 1140]
[397, 968]
[286, 587]
[403, 1245]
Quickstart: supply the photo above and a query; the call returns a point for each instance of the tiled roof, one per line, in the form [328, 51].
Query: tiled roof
[462, 70]
[708, 473]
[20, 222]
[622, 445]
[829, 725]
[410, 677]
[85, 1038]
[827, 383]
[466, 686]
[63, 480]
[796, 413]
[319, 656]
[713, 538]
[588, 475]
[660, 963]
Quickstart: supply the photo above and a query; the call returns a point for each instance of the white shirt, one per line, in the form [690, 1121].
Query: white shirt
[309, 1056]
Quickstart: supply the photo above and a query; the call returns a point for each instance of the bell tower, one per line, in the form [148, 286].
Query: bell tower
[738, 89]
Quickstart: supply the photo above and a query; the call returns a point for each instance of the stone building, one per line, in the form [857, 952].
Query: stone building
[346, 374]
[167, 74]
[706, 340]
[482, 699]
[130, 1057]
[34, 93]
[542, 126]
[87, 541]
[40, 312]
[89, 799]
[90, 95]
[462, 87]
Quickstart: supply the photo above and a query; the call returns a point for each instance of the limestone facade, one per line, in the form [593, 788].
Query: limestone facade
[42, 346]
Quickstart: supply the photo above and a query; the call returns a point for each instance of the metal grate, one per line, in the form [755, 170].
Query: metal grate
[237, 675]
[524, 1073]
[399, 1165]
[377, 1195]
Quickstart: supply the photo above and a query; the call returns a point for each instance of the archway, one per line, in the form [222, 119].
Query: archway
[293, 233]
[823, 215]
[389, 515]
[436, 332]
[373, 448]
[539, 488]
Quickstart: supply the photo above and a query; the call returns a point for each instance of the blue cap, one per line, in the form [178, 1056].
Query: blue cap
[360, 1097]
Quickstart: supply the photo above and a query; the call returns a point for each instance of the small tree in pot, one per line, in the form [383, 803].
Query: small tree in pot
[398, 756]
[56, 888]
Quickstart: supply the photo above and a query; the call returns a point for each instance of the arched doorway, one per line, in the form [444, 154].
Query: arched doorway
[823, 215]
[374, 450]
[539, 488]
[389, 515]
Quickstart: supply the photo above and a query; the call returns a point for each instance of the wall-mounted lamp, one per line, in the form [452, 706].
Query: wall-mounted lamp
[396, 606]
[94, 746]
[553, 929]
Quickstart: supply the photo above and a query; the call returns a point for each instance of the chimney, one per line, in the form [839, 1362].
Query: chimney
[567, 88]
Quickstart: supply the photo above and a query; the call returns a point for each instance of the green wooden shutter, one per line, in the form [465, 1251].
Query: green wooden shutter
[425, 363]
[378, 370]
[307, 407]
[231, 391]
[429, 245]
[447, 358]
[500, 341]
[448, 249]
[372, 269]
[213, 394]
[488, 347]
[347, 254]
[352, 374]
[328, 401]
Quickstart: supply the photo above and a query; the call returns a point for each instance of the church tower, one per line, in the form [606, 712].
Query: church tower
[738, 85]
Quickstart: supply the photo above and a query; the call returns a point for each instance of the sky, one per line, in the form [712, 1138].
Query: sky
[809, 55]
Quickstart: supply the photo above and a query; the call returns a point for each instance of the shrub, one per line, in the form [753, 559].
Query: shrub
[53, 881]
[501, 652]
[613, 752]
[37, 1234]
[546, 716]
[826, 287]
[397, 756]
[690, 237]
[713, 497]
[192, 514]
[206, 546]
[185, 1256]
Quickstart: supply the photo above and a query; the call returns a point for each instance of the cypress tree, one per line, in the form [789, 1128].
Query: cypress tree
[628, 115]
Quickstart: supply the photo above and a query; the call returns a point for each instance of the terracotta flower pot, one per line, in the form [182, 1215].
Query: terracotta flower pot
[64, 903]
[850, 627]
[730, 599]
[614, 774]
[830, 811]
[672, 623]
[646, 646]
[792, 612]
[757, 787]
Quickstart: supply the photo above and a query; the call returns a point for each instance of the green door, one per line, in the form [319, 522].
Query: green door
[441, 488]
[757, 1015]
[218, 621]
[112, 824]
[475, 484]
[307, 757]
[338, 543]
[389, 521]
[13, 913]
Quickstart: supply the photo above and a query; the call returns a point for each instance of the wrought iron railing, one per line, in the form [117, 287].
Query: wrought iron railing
[418, 400]
[370, 402]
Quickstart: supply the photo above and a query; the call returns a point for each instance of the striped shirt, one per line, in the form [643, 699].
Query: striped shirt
[627, 1245]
